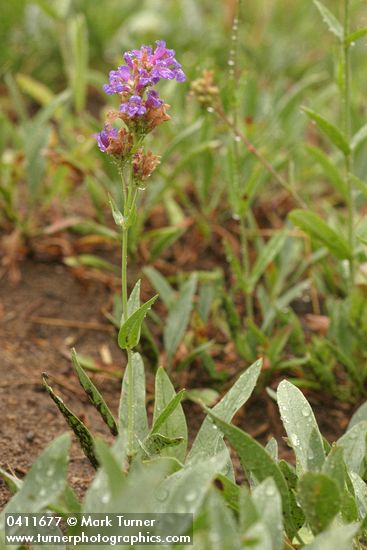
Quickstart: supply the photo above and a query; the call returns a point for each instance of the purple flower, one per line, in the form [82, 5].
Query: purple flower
[118, 81]
[144, 68]
[134, 106]
[103, 138]
[153, 100]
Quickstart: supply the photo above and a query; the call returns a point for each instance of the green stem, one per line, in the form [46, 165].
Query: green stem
[130, 196]
[348, 160]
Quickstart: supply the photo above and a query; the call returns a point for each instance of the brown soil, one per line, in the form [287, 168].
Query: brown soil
[31, 345]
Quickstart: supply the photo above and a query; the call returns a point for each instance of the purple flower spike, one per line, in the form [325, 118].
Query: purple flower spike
[134, 106]
[103, 138]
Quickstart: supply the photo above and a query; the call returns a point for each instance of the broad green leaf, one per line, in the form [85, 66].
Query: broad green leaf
[45, 481]
[334, 466]
[111, 465]
[129, 333]
[168, 414]
[139, 421]
[222, 530]
[319, 498]
[332, 132]
[331, 21]
[329, 168]
[301, 427]
[167, 411]
[208, 440]
[359, 415]
[161, 285]
[318, 229]
[179, 316]
[264, 259]
[355, 35]
[269, 506]
[184, 491]
[354, 445]
[82, 433]
[335, 537]
[360, 491]
[133, 302]
[94, 395]
[256, 462]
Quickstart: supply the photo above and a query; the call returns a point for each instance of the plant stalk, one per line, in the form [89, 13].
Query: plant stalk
[348, 160]
[130, 195]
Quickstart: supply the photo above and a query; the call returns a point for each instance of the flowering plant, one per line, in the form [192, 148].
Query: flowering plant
[141, 110]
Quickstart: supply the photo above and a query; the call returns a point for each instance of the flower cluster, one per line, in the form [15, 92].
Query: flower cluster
[205, 90]
[141, 108]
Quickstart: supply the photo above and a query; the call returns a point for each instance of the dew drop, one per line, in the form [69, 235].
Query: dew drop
[105, 499]
[190, 497]
[162, 495]
[210, 110]
[270, 491]
[237, 138]
[306, 411]
[236, 217]
[295, 440]
[231, 62]
[352, 44]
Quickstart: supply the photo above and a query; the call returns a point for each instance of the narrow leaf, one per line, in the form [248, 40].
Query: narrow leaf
[264, 259]
[208, 438]
[331, 21]
[155, 443]
[133, 302]
[167, 411]
[84, 436]
[94, 395]
[179, 316]
[330, 130]
[161, 285]
[318, 229]
[355, 35]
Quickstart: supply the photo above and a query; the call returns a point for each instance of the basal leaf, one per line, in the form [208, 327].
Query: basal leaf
[269, 506]
[44, 482]
[335, 537]
[319, 498]
[301, 427]
[256, 462]
[354, 445]
[208, 440]
[81, 431]
[168, 414]
[139, 420]
[94, 395]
